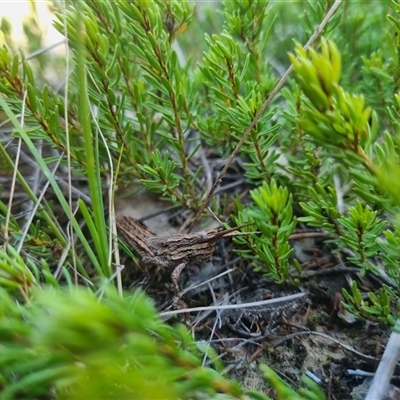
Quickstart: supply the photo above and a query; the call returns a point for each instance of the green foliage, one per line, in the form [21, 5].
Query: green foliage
[63, 202]
[362, 229]
[71, 343]
[284, 391]
[236, 82]
[378, 307]
[346, 129]
[357, 232]
[5, 30]
[390, 253]
[142, 105]
[155, 105]
[331, 115]
[272, 214]
[321, 211]
[14, 273]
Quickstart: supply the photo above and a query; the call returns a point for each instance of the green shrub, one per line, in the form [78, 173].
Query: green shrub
[152, 87]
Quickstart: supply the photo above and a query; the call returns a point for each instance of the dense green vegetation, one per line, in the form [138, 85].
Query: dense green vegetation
[153, 86]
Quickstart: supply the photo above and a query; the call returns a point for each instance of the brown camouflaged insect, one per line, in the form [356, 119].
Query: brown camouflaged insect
[172, 251]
